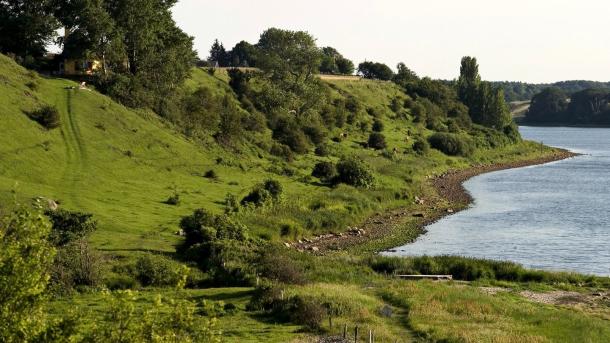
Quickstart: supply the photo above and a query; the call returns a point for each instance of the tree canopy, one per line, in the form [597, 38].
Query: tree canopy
[373, 70]
[334, 63]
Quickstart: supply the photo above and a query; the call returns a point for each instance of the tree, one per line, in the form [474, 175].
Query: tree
[26, 28]
[486, 104]
[25, 260]
[288, 55]
[334, 63]
[90, 32]
[379, 71]
[405, 75]
[469, 82]
[158, 54]
[243, 54]
[218, 54]
[289, 61]
[547, 106]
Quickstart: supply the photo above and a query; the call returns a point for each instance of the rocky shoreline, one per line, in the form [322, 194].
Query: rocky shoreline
[450, 190]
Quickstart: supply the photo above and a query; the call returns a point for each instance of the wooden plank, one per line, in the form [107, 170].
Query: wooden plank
[419, 277]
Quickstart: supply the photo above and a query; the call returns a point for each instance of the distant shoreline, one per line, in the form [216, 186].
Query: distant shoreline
[582, 126]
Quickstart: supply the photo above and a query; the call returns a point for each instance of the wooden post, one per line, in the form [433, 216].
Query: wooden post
[370, 336]
[345, 331]
[356, 334]
[330, 322]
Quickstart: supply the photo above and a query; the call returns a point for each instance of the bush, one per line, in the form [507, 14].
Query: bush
[354, 172]
[203, 227]
[377, 141]
[421, 146]
[316, 134]
[451, 144]
[270, 190]
[283, 151]
[291, 231]
[377, 125]
[173, 200]
[322, 150]
[210, 174]
[325, 171]
[47, 116]
[159, 271]
[307, 312]
[277, 267]
[69, 226]
[76, 264]
[121, 282]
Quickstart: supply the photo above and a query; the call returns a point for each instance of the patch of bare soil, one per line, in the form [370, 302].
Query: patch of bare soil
[567, 298]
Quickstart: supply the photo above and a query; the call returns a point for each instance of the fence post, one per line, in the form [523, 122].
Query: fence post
[356, 334]
[345, 331]
[370, 336]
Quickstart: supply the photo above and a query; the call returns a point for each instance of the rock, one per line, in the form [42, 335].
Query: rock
[180, 232]
[315, 249]
[287, 244]
[450, 210]
[418, 215]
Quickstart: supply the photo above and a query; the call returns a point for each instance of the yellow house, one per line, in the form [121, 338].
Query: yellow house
[79, 67]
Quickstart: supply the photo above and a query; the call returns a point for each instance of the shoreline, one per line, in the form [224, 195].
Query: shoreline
[451, 198]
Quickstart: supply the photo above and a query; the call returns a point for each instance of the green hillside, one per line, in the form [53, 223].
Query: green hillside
[121, 165]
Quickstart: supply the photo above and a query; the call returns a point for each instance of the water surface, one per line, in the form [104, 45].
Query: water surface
[554, 216]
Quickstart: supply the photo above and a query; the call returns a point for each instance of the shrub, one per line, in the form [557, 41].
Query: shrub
[156, 270]
[76, 264]
[173, 200]
[282, 150]
[451, 144]
[421, 146]
[307, 312]
[203, 227]
[290, 230]
[231, 203]
[210, 174]
[277, 267]
[270, 190]
[324, 171]
[120, 282]
[377, 141]
[377, 125]
[353, 171]
[69, 226]
[322, 150]
[47, 116]
[352, 104]
[316, 134]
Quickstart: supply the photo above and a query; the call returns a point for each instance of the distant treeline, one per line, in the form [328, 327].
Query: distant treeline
[586, 107]
[520, 91]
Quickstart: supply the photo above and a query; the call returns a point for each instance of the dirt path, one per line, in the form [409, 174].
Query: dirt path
[449, 187]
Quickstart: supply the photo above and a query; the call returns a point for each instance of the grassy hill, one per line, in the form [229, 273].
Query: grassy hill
[121, 165]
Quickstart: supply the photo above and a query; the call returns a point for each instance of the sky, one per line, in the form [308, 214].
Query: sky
[516, 40]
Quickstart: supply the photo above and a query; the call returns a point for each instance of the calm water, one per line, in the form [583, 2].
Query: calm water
[554, 216]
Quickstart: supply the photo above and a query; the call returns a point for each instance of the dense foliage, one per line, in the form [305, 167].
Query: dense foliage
[587, 107]
[373, 70]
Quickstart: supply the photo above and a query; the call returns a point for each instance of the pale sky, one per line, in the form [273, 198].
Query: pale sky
[516, 40]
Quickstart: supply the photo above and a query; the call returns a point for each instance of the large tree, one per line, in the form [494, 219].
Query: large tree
[26, 27]
[378, 71]
[243, 54]
[219, 54]
[548, 106]
[334, 63]
[486, 104]
[289, 61]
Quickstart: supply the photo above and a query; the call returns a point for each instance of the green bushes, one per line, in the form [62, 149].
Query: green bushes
[377, 125]
[354, 172]
[451, 144]
[274, 265]
[159, 271]
[421, 146]
[47, 116]
[69, 226]
[325, 171]
[262, 194]
[76, 264]
[376, 141]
